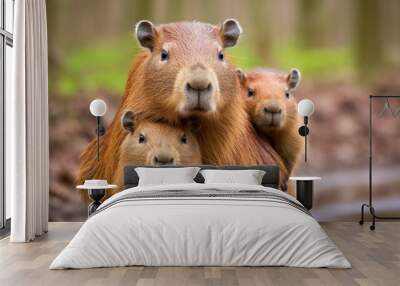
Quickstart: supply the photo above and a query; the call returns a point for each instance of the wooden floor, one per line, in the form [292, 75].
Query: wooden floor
[375, 257]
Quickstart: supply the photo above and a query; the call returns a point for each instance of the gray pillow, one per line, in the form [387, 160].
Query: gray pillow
[248, 177]
[162, 176]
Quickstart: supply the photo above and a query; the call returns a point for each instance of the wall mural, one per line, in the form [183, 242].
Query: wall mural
[201, 93]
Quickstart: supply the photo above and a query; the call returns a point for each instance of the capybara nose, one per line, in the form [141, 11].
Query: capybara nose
[198, 82]
[272, 109]
[163, 159]
[199, 87]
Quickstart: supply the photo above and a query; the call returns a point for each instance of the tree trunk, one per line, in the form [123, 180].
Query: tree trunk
[261, 31]
[368, 42]
[311, 25]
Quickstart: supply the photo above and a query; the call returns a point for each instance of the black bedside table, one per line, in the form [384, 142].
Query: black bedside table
[304, 190]
[96, 190]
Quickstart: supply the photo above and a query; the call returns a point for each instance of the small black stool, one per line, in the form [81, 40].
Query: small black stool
[304, 190]
[96, 190]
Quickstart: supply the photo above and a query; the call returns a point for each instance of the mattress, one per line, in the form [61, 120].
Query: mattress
[201, 225]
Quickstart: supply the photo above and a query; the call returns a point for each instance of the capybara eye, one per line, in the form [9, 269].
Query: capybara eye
[142, 139]
[251, 92]
[287, 94]
[184, 139]
[164, 55]
[221, 55]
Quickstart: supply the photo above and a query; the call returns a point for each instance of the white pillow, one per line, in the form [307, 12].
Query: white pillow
[248, 177]
[163, 176]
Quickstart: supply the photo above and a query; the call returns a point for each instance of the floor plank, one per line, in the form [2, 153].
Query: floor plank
[375, 257]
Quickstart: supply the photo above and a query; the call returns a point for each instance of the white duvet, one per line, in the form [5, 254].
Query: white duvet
[188, 231]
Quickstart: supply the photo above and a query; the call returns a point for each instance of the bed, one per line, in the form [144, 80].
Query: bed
[201, 224]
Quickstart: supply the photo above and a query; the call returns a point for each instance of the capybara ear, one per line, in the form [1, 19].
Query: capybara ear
[230, 31]
[242, 76]
[145, 34]
[293, 78]
[128, 121]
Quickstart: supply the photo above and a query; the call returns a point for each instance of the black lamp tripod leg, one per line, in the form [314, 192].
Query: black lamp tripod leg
[361, 222]
[372, 211]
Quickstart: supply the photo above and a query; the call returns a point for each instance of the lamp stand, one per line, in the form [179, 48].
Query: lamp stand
[303, 131]
[369, 205]
[100, 130]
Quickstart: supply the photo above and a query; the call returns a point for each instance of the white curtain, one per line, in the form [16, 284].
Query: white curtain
[27, 144]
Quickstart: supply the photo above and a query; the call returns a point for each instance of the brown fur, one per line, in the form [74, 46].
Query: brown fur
[155, 90]
[270, 90]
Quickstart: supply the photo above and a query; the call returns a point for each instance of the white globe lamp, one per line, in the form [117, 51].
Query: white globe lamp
[98, 107]
[305, 107]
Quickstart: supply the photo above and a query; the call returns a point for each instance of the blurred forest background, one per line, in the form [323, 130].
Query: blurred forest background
[345, 49]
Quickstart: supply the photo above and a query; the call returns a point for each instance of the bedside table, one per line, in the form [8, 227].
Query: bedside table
[304, 190]
[96, 190]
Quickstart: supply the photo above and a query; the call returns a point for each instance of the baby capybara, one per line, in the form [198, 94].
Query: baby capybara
[182, 72]
[273, 109]
[155, 143]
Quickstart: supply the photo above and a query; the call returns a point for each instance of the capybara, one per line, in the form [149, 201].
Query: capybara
[155, 143]
[182, 73]
[273, 109]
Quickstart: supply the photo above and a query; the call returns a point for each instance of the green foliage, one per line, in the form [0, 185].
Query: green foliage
[314, 61]
[104, 66]
[311, 61]
[244, 57]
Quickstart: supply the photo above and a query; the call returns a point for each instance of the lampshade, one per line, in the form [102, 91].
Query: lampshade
[98, 107]
[305, 107]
